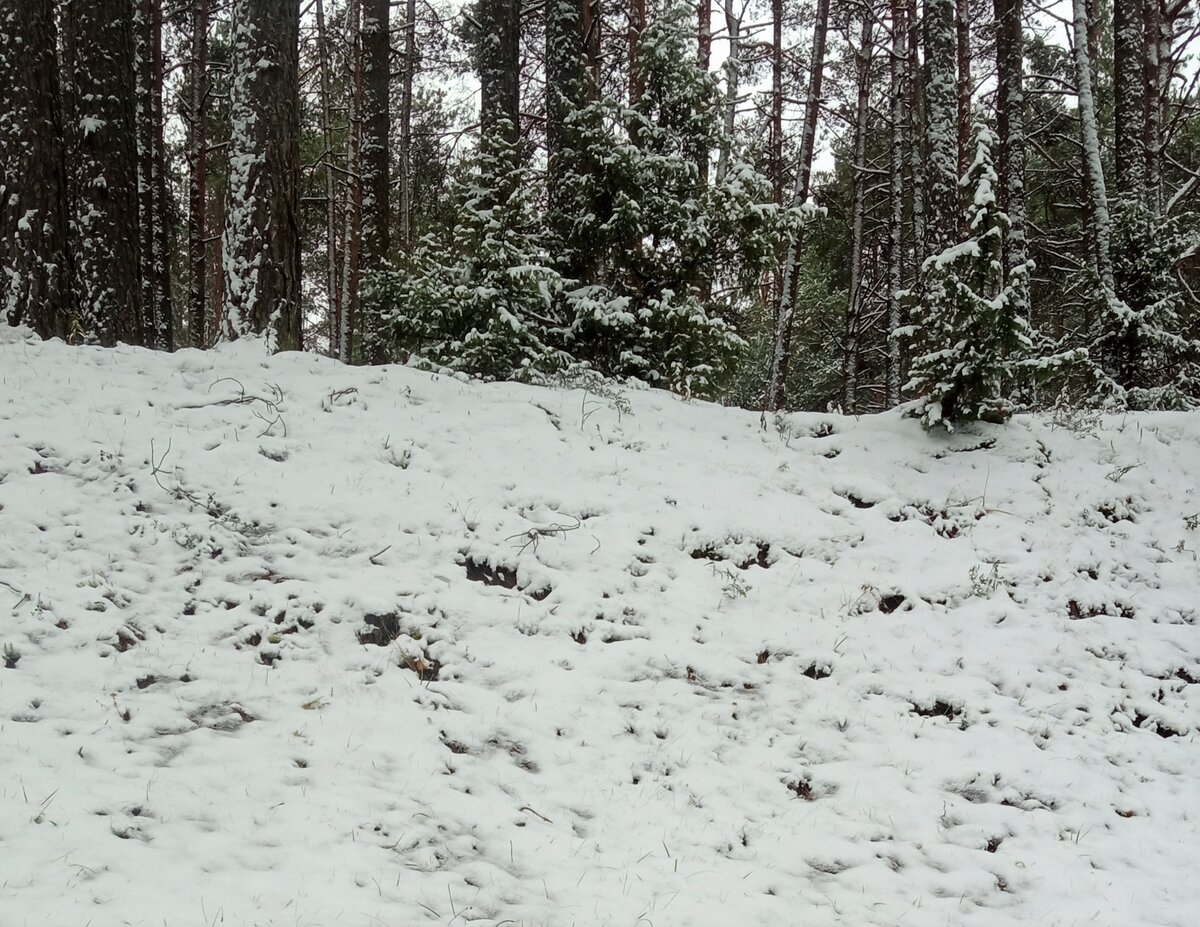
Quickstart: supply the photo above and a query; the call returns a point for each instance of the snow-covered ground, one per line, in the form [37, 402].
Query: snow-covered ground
[299, 644]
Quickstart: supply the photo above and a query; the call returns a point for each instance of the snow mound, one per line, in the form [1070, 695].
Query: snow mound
[287, 642]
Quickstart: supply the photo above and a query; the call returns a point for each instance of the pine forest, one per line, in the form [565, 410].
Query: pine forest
[975, 208]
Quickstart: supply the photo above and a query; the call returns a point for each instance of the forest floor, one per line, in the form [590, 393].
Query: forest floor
[291, 643]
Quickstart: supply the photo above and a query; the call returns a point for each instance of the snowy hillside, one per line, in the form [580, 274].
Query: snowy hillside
[294, 643]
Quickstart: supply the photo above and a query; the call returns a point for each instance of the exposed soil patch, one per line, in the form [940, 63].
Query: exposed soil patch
[483, 572]
[939, 709]
[381, 629]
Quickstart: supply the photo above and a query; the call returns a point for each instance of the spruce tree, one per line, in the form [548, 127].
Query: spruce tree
[969, 336]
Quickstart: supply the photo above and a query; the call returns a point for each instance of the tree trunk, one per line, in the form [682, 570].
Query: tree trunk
[1095, 195]
[1010, 120]
[406, 108]
[733, 69]
[499, 71]
[941, 122]
[854, 308]
[962, 22]
[352, 211]
[789, 283]
[198, 176]
[376, 132]
[637, 25]
[162, 334]
[1153, 95]
[897, 80]
[262, 242]
[566, 83]
[775, 158]
[332, 279]
[144, 116]
[376, 115]
[34, 270]
[105, 228]
[592, 23]
[1129, 105]
[916, 136]
[704, 59]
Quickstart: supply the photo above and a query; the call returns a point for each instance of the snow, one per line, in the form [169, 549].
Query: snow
[635, 660]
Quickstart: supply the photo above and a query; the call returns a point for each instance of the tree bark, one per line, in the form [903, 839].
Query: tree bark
[733, 73]
[262, 242]
[1153, 94]
[198, 176]
[105, 227]
[144, 116]
[352, 210]
[162, 333]
[34, 268]
[637, 25]
[499, 70]
[1095, 193]
[962, 22]
[854, 308]
[566, 94]
[1129, 104]
[333, 294]
[376, 132]
[406, 108]
[1010, 120]
[897, 81]
[775, 158]
[916, 136]
[789, 284]
[942, 134]
[704, 59]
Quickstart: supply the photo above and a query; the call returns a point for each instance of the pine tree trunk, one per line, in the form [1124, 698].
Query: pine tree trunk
[34, 270]
[144, 116]
[376, 238]
[942, 133]
[406, 110]
[897, 80]
[637, 25]
[962, 20]
[704, 59]
[1095, 194]
[376, 132]
[916, 136]
[733, 69]
[592, 23]
[332, 278]
[854, 309]
[566, 83]
[352, 209]
[499, 70]
[1010, 120]
[775, 160]
[198, 176]
[105, 227]
[163, 333]
[1129, 106]
[1153, 94]
[789, 284]
[261, 240]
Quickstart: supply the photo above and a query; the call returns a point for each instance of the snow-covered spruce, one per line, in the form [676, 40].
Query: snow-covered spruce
[969, 340]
